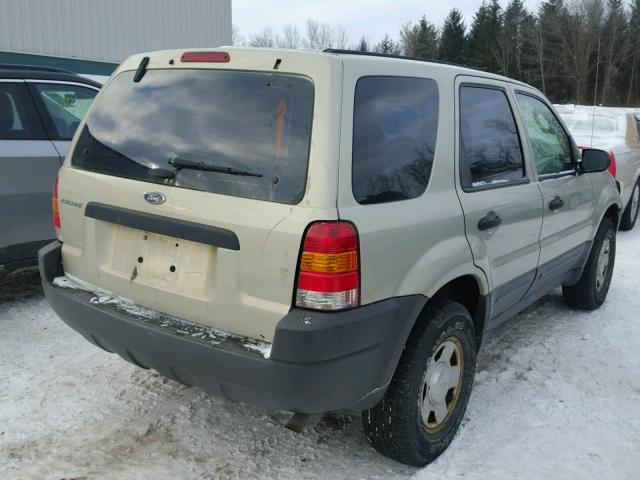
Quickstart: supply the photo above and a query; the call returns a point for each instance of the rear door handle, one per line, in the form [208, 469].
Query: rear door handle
[556, 203]
[489, 221]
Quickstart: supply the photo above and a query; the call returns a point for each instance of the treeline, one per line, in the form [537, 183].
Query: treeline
[575, 51]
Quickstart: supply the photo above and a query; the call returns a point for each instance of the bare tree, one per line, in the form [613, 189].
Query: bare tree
[341, 39]
[615, 47]
[322, 35]
[318, 36]
[290, 37]
[326, 36]
[236, 37]
[539, 45]
[408, 39]
[312, 40]
[264, 39]
[580, 34]
[634, 34]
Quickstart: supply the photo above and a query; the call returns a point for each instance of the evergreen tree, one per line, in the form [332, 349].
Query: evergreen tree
[426, 39]
[548, 45]
[555, 49]
[511, 39]
[387, 46]
[453, 41]
[362, 45]
[485, 31]
[581, 25]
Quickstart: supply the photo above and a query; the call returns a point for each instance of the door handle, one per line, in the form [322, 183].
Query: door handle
[556, 203]
[489, 221]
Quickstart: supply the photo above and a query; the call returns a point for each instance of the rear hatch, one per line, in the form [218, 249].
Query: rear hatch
[188, 191]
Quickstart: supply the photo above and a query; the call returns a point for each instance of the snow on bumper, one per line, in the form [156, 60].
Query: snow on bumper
[318, 361]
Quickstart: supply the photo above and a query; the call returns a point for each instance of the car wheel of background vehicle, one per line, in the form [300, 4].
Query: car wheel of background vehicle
[421, 411]
[591, 290]
[630, 214]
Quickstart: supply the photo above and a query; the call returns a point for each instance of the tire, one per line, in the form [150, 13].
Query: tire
[395, 426]
[591, 290]
[630, 214]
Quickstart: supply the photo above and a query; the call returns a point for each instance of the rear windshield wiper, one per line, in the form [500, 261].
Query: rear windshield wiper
[142, 69]
[179, 163]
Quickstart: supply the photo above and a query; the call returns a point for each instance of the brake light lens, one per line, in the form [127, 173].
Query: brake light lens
[214, 57]
[612, 164]
[329, 274]
[55, 207]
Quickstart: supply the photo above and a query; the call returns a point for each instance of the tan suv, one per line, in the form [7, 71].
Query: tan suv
[319, 231]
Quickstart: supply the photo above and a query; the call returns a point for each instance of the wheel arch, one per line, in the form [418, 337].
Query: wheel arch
[613, 212]
[471, 291]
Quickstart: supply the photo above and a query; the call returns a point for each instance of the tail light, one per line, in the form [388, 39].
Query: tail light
[329, 274]
[55, 208]
[612, 164]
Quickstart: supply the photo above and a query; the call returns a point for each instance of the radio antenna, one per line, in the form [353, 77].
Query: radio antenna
[595, 93]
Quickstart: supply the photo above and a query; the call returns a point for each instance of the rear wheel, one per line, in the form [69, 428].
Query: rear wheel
[591, 290]
[421, 411]
[630, 214]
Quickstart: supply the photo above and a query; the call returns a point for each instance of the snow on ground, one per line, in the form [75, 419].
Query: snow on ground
[557, 395]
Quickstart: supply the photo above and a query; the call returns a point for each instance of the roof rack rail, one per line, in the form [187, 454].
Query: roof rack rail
[33, 68]
[401, 57]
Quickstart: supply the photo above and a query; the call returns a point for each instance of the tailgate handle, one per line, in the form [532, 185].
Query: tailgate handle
[172, 227]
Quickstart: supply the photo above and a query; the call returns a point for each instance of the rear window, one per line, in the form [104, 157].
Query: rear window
[597, 130]
[66, 104]
[257, 125]
[583, 125]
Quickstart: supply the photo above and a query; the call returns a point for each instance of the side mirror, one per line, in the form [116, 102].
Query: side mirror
[594, 160]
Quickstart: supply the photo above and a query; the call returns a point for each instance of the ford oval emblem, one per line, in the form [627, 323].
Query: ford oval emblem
[155, 198]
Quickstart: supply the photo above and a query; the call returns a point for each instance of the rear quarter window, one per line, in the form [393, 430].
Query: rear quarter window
[395, 127]
[18, 117]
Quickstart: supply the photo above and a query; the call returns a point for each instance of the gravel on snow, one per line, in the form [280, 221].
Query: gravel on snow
[557, 395]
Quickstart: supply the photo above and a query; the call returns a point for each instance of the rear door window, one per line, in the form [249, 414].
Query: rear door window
[18, 117]
[252, 128]
[395, 125]
[490, 149]
[66, 105]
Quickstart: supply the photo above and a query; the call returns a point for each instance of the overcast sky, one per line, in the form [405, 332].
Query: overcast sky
[360, 17]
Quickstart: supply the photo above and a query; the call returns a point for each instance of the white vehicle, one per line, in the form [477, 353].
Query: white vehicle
[616, 130]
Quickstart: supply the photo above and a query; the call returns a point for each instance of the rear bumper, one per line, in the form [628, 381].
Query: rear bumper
[318, 361]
